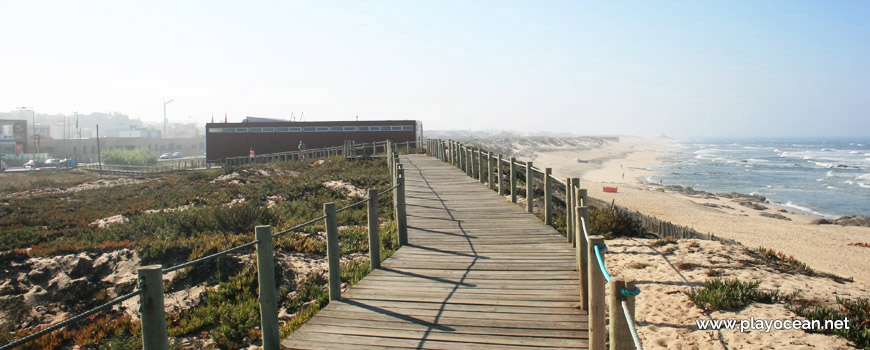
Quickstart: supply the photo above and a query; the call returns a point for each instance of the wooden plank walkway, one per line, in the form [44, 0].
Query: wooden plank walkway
[478, 273]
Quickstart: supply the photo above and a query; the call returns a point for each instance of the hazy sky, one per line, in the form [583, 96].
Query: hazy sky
[687, 68]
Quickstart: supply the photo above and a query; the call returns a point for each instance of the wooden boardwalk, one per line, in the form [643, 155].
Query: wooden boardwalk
[478, 273]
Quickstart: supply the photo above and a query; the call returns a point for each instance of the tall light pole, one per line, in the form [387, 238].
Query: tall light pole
[33, 132]
[165, 102]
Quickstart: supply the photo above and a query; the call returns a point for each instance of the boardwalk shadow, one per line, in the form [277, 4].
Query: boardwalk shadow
[431, 278]
[431, 249]
[407, 318]
[439, 232]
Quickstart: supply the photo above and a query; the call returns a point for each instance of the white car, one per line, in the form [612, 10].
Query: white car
[2, 165]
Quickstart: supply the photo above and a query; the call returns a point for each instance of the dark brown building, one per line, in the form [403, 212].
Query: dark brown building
[236, 139]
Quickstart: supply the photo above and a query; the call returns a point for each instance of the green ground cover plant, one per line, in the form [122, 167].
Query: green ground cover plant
[37, 180]
[731, 294]
[182, 216]
[857, 311]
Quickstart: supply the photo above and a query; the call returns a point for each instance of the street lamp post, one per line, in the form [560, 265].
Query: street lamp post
[165, 102]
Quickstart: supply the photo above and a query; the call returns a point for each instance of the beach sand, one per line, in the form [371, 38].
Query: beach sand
[665, 315]
[823, 247]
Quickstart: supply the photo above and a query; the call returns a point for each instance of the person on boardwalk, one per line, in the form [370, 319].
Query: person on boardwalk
[302, 149]
[251, 154]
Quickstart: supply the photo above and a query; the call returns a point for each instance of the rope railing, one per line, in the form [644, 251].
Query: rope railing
[594, 275]
[154, 332]
[72, 320]
[210, 257]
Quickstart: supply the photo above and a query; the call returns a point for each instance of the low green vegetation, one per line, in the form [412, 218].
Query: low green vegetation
[182, 216]
[731, 294]
[662, 242]
[856, 311]
[139, 156]
[771, 255]
[611, 224]
[39, 180]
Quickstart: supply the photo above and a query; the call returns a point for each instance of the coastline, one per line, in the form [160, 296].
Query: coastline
[625, 165]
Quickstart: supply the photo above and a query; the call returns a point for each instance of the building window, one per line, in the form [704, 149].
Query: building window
[309, 129]
[322, 129]
[349, 128]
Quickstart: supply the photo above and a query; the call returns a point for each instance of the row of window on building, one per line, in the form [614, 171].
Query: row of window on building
[315, 129]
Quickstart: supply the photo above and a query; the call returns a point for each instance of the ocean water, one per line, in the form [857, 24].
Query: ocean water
[823, 177]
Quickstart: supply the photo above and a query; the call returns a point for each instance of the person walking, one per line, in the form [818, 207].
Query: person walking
[251, 154]
[302, 149]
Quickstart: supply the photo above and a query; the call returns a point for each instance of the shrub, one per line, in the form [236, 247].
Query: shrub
[610, 224]
[730, 294]
[139, 156]
[857, 311]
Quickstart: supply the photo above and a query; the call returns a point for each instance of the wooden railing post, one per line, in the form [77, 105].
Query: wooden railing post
[575, 184]
[374, 230]
[548, 197]
[498, 174]
[401, 218]
[480, 168]
[582, 215]
[333, 253]
[268, 290]
[469, 162]
[530, 188]
[570, 225]
[597, 327]
[154, 334]
[620, 335]
[489, 171]
[513, 180]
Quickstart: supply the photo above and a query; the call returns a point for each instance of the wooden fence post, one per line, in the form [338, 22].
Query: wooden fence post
[154, 334]
[570, 225]
[268, 290]
[575, 184]
[401, 218]
[513, 180]
[582, 215]
[530, 188]
[548, 197]
[374, 230]
[480, 177]
[620, 335]
[469, 162]
[597, 327]
[333, 253]
[498, 170]
[489, 171]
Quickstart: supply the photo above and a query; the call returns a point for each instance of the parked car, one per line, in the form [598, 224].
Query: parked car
[177, 155]
[52, 162]
[2, 166]
[33, 163]
[166, 156]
